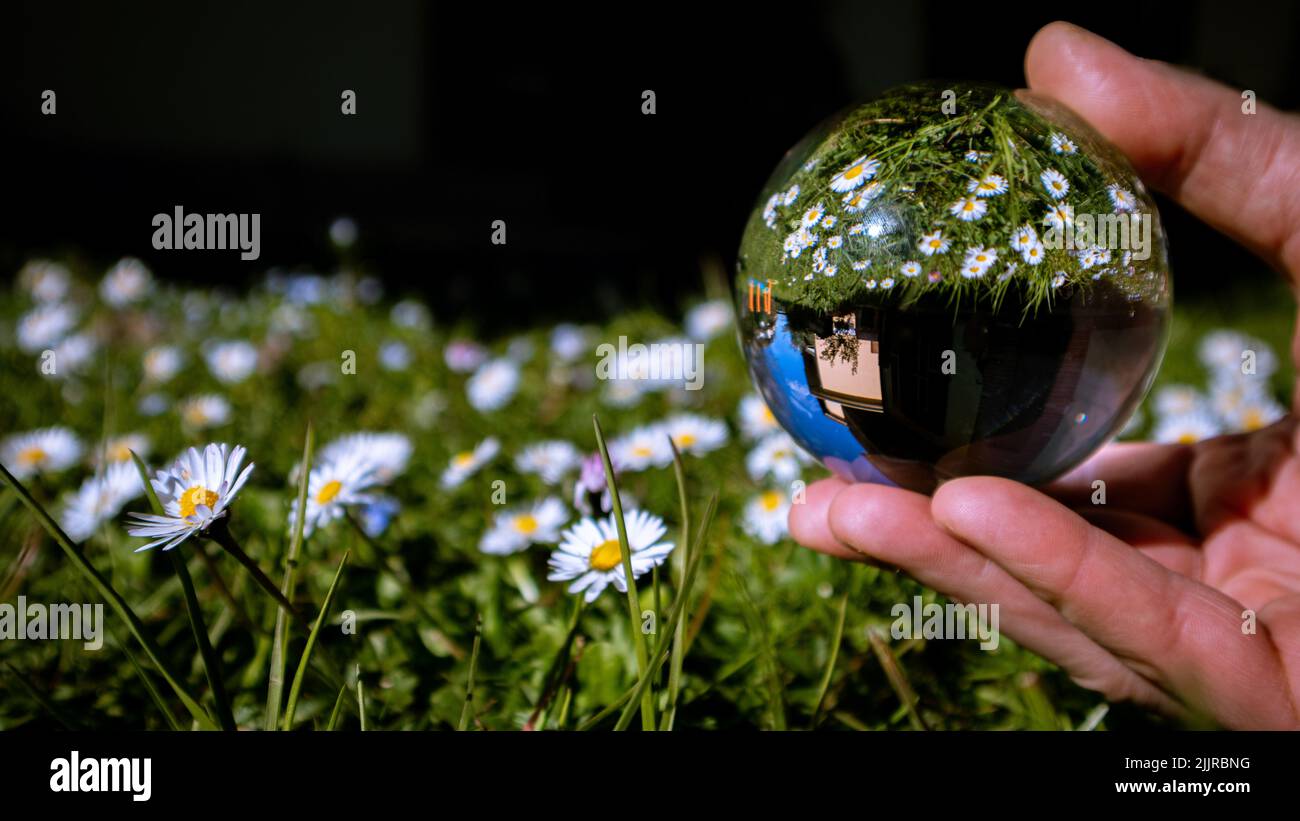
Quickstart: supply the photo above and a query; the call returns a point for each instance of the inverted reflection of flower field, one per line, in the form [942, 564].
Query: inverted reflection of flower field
[459, 472]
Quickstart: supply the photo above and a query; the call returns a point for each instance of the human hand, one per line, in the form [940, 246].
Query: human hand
[1142, 599]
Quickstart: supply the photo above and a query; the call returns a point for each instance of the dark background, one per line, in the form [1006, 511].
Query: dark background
[471, 112]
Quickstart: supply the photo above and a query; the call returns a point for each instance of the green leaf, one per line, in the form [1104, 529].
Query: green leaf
[275, 687]
[298, 677]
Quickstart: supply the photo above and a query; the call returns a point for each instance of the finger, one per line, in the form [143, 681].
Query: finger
[1166, 545]
[1185, 134]
[1281, 617]
[895, 526]
[1141, 477]
[808, 521]
[1181, 634]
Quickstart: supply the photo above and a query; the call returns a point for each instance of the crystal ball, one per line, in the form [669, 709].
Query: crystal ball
[952, 280]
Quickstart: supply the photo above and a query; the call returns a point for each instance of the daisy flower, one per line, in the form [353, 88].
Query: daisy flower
[910, 269]
[1122, 199]
[756, 418]
[790, 196]
[514, 530]
[870, 284]
[493, 385]
[206, 411]
[1187, 428]
[696, 435]
[969, 209]
[568, 342]
[934, 276]
[1059, 216]
[1178, 400]
[466, 463]
[835, 241]
[1087, 258]
[644, 447]
[394, 356]
[765, 516]
[1059, 279]
[99, 499]
[769, 210]
[548, 460]
[119, 448]
[813, 216]
[933, 243]
[1062, 144]
[828, 221]
[44, 326]
[857, 228]
[46, 281]
[334, 485]
[1254, 413]
[856, 201]
[989, 185]
[1023, 238]
[980, 257]
[708, 319]
[1034, 253]
[464, 356]
[1055, 183]
[161, 363]
[231, 362]
[125, 282]
[591, 556]
[47, 450]
[887, 282]
[854, 174]
[819, 259]
[777, 456]
[388, 453]
[861, 264]
[194, 492]
[1222, 350]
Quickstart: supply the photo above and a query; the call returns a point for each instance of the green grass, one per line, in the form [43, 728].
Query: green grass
[447, 637]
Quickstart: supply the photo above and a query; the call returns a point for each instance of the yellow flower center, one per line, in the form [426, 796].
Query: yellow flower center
[1252, 420]
[526, 524]
[195, 496]
[684, 440]
[195, 416]
[328, 492]
[607, 555]
[641, 450]
[853, 173]
[463, 459]
[1188, 438]
[119, 452]
[28, 457]
[770, 500]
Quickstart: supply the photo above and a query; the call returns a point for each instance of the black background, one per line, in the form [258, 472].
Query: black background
[472, 112]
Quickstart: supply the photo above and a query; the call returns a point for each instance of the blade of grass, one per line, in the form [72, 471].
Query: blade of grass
[468, 706]
[633, 600]
[832, 657]
[679, 563]
[211, 662]
[152, 690]
[361, 702]
[303, 662]
[679, 607]
[897, 678]
[551, 680]
[279, 642]
[114, 598]
[338, 708]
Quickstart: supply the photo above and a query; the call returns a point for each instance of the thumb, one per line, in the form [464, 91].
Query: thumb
[1186, 135]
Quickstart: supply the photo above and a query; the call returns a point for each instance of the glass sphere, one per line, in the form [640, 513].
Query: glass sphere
[953, 280]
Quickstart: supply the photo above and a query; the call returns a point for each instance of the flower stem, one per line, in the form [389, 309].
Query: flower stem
[220, 534]
[211, 661]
